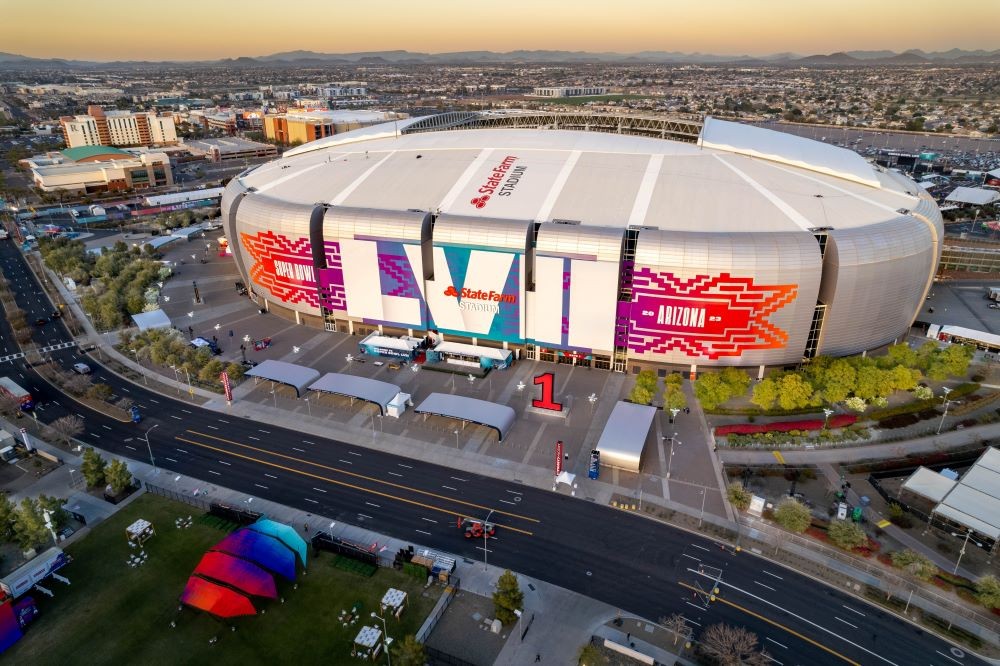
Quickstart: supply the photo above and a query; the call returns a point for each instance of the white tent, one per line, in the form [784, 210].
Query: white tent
[152, 319]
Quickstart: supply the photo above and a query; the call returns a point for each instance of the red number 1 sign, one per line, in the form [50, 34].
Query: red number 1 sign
[546, 381]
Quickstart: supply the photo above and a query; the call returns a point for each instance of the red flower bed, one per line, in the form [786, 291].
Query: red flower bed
[838, 421]
[885, 559]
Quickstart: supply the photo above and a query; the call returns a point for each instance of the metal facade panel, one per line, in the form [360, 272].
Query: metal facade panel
[574, 240]
[481, 232]
[347, 222]
[881, 272]
[781, 271]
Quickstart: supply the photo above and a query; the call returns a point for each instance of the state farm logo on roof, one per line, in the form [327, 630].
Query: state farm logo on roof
[502, 181]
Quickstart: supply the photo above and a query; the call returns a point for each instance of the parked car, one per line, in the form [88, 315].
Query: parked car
[842, 511]
[81, 368]
[41, 321]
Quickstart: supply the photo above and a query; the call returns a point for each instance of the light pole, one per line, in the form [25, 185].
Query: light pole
[456, 438]
[190, 389]
[152, 461]
[670, 458]
[144, 379]
[826, 416]
[177, 379]
[308, 408]
[274, 394]
[385, 638]
[71, 480]
[946, 391]
[349, 358]
[702, 518]
[965, 543]
[592, 399]
[486, 535]
[673, 413]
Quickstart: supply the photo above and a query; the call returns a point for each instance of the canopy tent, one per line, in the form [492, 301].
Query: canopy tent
[284, 533]
[245, 576]
[928, 483]
[215, 599]
[152, 319]
[975, 196]
[159, 241]
[623, 442]
[490, 414]
[974, 502]
[267, 551]
[296, 376]
[10, 628]
[362, 388]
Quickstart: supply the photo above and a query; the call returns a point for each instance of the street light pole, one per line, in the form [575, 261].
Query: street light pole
[965, 543]
[144, 379]
[826, 416]
[670, 459]
[385, 638]
[947, 402]
[702, 518]
[485, 536]
[177, 379]
[152, 461]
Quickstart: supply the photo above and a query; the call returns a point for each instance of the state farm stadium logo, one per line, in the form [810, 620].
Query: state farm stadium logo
[479, 300]
[501, 181]
[708, 316]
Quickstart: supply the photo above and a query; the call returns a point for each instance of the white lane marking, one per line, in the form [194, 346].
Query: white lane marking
[212, 471]
[947, 657]
[94, 434]
[852, 610]
[182, 450]
[700, 547]
[507, 502]
[818, 626]
[253, 438]
[767, 586]
[353, 453]
[130, 447]
[770, 658]
[423, 532]
[775, 642]
[458, 478]
[306, 441]
[125, 389]
[319, 490]
[270, 476]
[260, 486]
[174, 416]
[846, 622]
[691, 604]
[81, 415]
[346, 462]
[310, 500]
[266, 432]
[153, 400]
[406, 466]
[364, 515]
[690, 556]
[170, 459]
[374, 505]
[513, 492]
[429, 520]
[298, 449]
[186, 411]
[223, 462]
[771, 574]
[105, 427]
[486, 549]
[222, 420]
[450, 488]
[687, 619]
[211, 426]
[394, 474]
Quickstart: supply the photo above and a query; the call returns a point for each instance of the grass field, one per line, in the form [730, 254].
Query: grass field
[113, 614]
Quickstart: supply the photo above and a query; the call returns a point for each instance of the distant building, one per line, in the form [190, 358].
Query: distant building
[90, 169]
[345, 89]
[118, 128]
[569, 91]
[305, 126]
[231, 148]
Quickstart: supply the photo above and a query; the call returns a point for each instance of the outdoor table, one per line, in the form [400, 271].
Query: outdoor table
[368, 638]
[139, 531]
[394, 599]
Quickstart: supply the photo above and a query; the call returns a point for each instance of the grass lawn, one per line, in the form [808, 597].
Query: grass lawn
[113, 614]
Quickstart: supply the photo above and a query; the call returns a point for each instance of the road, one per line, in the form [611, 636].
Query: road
[645, 568]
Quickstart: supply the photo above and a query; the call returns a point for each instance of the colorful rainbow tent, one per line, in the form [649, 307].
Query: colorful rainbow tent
[269, 552]
[215, 599]
[243, 576]
[285, 533]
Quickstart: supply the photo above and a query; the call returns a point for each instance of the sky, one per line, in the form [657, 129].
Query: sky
[209, 29]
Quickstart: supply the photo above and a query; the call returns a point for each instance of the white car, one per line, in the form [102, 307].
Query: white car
[842, 511]
[81, 368]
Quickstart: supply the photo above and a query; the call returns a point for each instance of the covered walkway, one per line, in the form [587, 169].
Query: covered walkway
[469, 410]
[298, 377]
[360, 388]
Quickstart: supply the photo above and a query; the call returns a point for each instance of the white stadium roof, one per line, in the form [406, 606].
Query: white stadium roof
[737, 175]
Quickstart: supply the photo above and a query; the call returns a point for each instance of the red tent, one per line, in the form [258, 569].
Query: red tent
[215, 599]
[245, 576]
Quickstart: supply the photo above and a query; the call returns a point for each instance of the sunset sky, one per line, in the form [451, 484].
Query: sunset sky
[207, 29]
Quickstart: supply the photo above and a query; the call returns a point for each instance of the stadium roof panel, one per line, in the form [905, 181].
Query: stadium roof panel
[594, 178]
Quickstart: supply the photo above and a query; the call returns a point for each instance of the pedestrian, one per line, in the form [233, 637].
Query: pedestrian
[628, 636]
[538, 658]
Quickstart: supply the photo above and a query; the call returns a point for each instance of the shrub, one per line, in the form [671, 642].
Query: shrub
[846, 534]
[914, 563]
[793, 515]
[738, 496]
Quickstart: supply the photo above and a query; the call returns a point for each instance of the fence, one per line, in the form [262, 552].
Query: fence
[893, 500]
[436, 657]
[439, 609]
[180, 497]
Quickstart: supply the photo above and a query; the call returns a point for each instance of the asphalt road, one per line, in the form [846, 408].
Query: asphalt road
[640, 566]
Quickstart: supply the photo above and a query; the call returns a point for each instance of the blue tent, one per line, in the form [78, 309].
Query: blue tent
[286, 534]
[267, 551]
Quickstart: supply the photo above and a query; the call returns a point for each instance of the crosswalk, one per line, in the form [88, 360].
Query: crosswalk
[41, 350]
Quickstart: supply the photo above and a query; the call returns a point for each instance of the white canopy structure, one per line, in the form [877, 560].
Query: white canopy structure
[928, 483]
[623, 442]
[152, 319]
[297, 376]
[974, 502]
[489, 414]
[360, 388]
[977, 196]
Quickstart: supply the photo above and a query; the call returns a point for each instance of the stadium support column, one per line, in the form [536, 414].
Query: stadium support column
[624, 304]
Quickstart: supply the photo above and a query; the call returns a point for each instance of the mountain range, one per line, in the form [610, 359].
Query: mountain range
[400, 57]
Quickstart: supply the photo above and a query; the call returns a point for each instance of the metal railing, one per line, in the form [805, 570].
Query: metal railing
[177, 496]
[449, 594]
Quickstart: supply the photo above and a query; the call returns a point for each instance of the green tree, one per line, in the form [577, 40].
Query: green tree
[67, 427]
[793, 515]
[872, 382]
[409, 652]
[508, 597]
[591, 656]
[640, 395]
[765, 393]
[901, 354]
[904, 378]
[988, 591]
[29, 524]
[736, 380]
[914, 563]
[738, 496]
[100, 392]
[54, 505]
[795, 392]
[235, 372]
[8, 514]
[951, 361]
[673, 397]
[210, 373]
[838, 381]
[93, 467]
[846, 534]
[710, 390]
[119, 478]
[647, 378]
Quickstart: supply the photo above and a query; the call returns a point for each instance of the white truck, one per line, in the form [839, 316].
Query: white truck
[22, 579]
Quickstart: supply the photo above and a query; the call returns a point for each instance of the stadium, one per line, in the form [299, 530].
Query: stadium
[607, 242]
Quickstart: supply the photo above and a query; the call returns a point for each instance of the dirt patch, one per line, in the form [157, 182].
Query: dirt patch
[463, 630]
